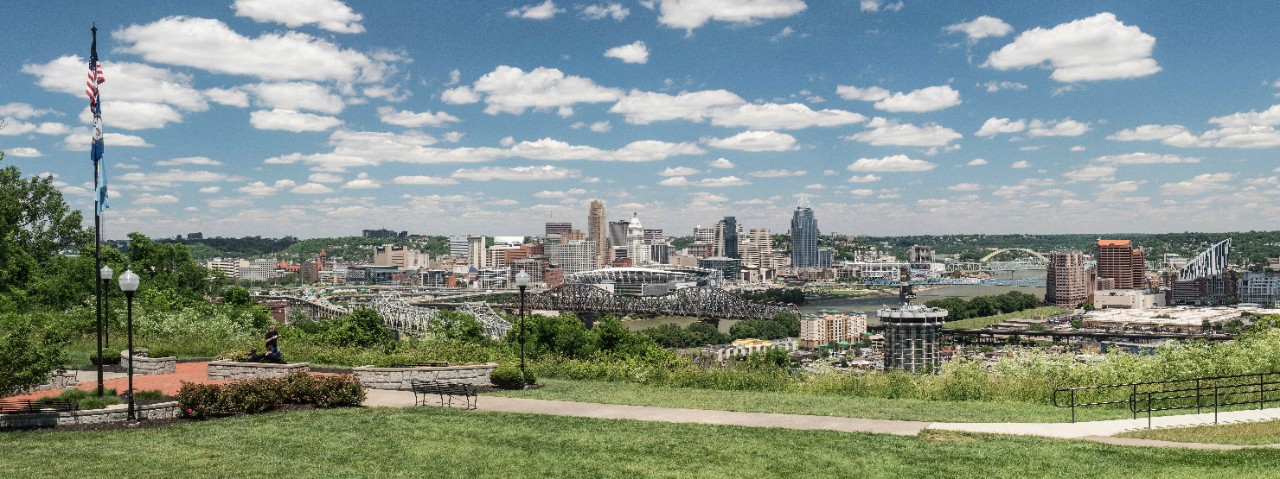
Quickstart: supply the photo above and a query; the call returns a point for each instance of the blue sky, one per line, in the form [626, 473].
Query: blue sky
[322, 118]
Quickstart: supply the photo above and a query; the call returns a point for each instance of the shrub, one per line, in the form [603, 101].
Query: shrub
[507, 376]
[162, 352]
[251, 396]
[111, 359]
[199, 401]
[95, 402]
[337, 391]
[529, 377]
[149, 394]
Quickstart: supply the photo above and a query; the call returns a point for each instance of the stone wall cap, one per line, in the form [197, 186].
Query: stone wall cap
[242, 364]
[425, 368]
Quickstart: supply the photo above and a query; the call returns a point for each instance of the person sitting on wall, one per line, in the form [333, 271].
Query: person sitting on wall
[273, 350]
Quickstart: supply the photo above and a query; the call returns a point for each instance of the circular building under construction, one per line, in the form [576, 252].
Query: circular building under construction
[912, 337]
[912, 333]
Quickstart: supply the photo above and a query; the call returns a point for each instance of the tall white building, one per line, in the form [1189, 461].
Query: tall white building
[476, 255]
[573, 256]
[259, 269]
[637, 249]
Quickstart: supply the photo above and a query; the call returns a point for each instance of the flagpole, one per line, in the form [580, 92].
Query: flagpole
[95, 106]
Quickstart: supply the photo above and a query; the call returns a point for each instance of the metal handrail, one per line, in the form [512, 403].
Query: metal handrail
[1135, 395]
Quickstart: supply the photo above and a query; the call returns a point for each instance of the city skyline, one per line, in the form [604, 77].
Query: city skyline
[256, 117]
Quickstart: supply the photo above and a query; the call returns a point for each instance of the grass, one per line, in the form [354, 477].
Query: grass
[1247, 433]
[443, 443]
[802, 403]
[979, 323]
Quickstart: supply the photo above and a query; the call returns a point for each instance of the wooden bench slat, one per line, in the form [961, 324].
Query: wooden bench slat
[445, 390]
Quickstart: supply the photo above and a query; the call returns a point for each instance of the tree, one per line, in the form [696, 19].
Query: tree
[28, 353]
[362, 328]
[36, 226]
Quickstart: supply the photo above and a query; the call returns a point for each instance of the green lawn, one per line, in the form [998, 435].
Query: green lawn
[801, 403]
[1249, 433]
[979, 323]
[442, 443]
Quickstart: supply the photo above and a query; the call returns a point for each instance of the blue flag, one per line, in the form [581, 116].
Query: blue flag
[102, 185]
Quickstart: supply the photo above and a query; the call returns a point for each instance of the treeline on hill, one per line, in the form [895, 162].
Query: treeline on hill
[350, 248]
[776, 295]
[980, 306]
[1247, 248]
[671, 335]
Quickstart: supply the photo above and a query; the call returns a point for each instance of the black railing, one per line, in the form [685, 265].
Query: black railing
[1176, 394]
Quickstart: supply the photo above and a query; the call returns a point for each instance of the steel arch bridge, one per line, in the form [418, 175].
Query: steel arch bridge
[401, 316]
[993, 254]
[701, 302]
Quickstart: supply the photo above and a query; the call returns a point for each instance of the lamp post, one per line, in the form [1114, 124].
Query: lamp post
[522, 282]
[129, 284]
[105, 274]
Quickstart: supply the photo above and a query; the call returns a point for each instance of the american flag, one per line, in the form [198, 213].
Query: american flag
[97, 146]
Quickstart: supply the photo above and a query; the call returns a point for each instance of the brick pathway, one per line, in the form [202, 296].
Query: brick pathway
[167, 383]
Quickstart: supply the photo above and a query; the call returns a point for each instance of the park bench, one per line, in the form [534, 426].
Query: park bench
[446, 392]
[23, 406]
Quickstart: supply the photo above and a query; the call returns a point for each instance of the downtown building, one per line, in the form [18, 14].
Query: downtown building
[804, 238]
[598, 233]
[1067, 283]
[1120, 266]
[826, 328]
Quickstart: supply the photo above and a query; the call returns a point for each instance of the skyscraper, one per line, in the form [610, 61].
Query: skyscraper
[477, 256]
[558, 227]
[1066, 282]
[804, 237]
[598, 233]
[726, 238]
[1118, 261]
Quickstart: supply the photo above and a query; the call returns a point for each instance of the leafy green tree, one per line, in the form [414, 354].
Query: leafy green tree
[36, 226]
[703, 333]
[564, 335]
[237, 296]
[29, 353]
[362, 328]
[166, 267]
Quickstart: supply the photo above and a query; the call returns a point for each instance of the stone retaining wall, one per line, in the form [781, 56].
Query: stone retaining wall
[63, 380]
[144, 365]
[114, 413]
[235, 371]
[400, 378]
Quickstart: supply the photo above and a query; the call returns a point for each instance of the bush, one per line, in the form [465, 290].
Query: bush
[252, 396]
[199, 401]
[507, 376]
[161, 352]
[110, 360]
[529, 377]
[149, 394]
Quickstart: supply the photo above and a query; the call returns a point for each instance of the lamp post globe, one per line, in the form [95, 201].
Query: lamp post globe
[522, 282]
[129, 284]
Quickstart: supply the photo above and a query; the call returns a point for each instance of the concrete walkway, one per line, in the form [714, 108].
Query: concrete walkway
[1099, 431]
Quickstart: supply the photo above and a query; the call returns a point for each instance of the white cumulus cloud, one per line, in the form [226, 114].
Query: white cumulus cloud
[981, 27]
[689, 15]
[540, 11]
[289, 120]
[891, 164]
[509, 89]
[331, 15]
[754, 140]
[1095, 48]
[635, 52]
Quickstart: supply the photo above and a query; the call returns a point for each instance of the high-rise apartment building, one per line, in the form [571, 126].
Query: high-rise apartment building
[804, 237]
[726, 238]
[558, 227]
[598, 233]
[1067, 283]
[457, 245]
[1119, 261]
[573, 256]
[477, 257]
